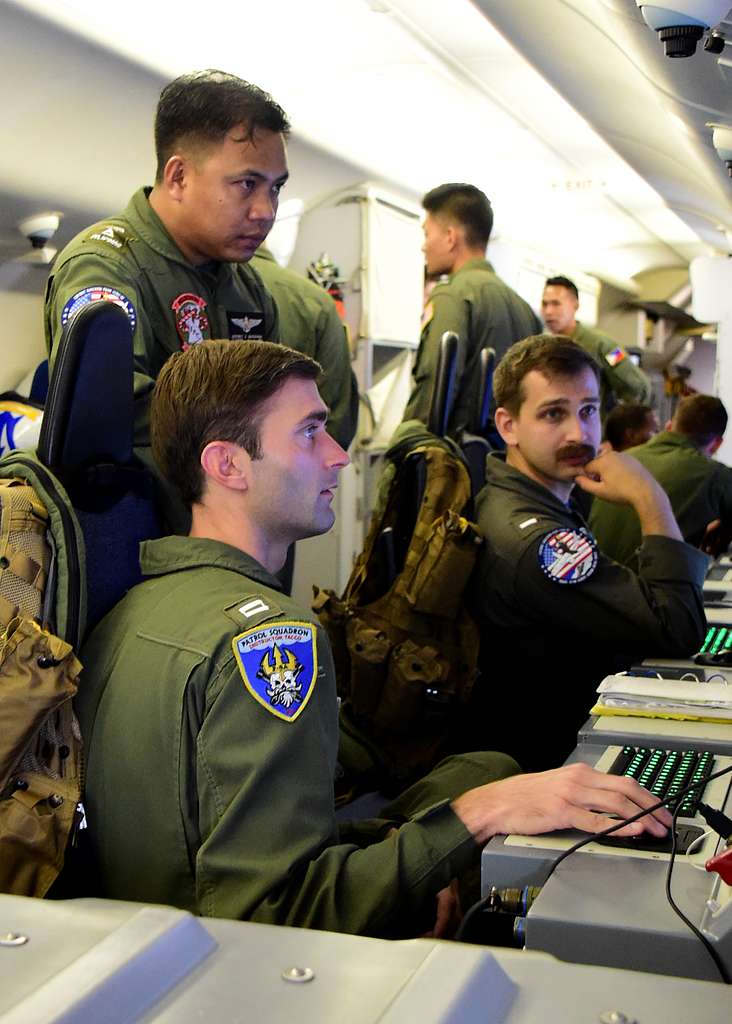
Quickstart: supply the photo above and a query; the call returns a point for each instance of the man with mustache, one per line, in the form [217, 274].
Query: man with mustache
[557, 615]
[176, 260]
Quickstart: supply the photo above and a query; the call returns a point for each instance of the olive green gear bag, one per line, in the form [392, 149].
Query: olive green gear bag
[41, 595]
[405, 646]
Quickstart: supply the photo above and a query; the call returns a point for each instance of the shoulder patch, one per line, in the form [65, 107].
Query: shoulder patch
[278, 664]
[568, 556]
[92, 294]
[617, 355]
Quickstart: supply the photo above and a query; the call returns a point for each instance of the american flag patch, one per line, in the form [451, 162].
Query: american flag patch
[568, 556]
[616, 356]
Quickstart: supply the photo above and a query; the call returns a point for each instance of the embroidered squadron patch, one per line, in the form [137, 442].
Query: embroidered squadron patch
[278, 663]
[245, 326]
[568, 556]
[191, 319]
[97, 291]
[616, 356]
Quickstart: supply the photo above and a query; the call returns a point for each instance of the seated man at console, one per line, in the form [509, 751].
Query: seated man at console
[557, 615]
[209, 707]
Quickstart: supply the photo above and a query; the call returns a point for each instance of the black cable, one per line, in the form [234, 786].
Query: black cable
[721, 824]
[473, 912]
[676, 801]
[678, 911]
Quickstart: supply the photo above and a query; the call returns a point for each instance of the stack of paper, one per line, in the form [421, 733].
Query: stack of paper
[664, 698]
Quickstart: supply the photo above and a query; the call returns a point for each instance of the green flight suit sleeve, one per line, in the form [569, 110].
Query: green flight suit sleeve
[659, 610]
[269, 849]
[626, 380]
[446, 314]
[338, 387]
[84, 271]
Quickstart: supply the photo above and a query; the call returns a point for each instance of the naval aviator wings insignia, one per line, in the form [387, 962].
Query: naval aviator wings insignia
[278, 663]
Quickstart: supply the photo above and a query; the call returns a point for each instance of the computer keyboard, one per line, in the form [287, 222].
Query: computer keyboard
[665, 773]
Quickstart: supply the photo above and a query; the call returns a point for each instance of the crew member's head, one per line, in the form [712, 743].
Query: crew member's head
[559, 305]
[239, 430]
[457, 226]
[221, 162]
[547, 393]
[630, 424]
[703, 419]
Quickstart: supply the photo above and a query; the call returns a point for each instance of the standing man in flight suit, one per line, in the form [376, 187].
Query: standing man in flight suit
[557, 614]
[176, 258]
[209, 706]
[620, 379]
[475, 302]
[309, 323]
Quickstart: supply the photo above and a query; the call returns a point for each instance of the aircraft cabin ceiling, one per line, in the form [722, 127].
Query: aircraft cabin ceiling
[609, 169]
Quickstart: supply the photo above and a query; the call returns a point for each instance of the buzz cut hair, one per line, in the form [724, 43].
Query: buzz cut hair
[562, 282]
[554, 355]
[198, 110]
[465, 204]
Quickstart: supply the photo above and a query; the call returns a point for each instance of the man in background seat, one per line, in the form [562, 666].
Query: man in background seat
[699, 488]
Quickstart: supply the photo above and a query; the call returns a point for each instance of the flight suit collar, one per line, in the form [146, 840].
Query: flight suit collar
[479, 263]
[498, 473]
[671, 439]
[146, 223]
[174, 554]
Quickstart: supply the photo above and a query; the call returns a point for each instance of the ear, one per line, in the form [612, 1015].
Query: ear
[506, 425]
[226, 464]
[713, 446]
[453, 236]
[175, 176]
[669, 425]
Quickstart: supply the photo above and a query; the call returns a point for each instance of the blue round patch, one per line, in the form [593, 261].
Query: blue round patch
[93, 294]
[568, 556]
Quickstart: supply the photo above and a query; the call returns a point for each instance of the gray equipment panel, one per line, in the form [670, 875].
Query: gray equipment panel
[608, 906]
[227, 971]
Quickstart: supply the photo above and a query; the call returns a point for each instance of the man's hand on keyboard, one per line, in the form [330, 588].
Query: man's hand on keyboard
[575, 796]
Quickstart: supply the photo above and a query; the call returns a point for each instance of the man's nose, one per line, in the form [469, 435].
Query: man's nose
[263, 206]
[336, 455]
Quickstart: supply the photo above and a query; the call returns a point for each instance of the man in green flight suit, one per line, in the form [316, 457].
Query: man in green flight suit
[209, 708]
[475, 303]
[176, 258]
[309, 323]
[620, 379]
[698, 487]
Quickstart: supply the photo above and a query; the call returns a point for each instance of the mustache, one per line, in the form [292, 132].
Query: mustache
[577, 451]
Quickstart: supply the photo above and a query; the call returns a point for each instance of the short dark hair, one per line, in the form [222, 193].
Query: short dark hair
[201, 108]
[551, 354]
[701, 418]
[467, 205]
[562, 282]
[622, 418]
[216, 391]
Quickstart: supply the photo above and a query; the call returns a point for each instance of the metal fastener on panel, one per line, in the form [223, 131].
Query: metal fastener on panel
[298, 974]
[616, 1017]
[13, 939]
